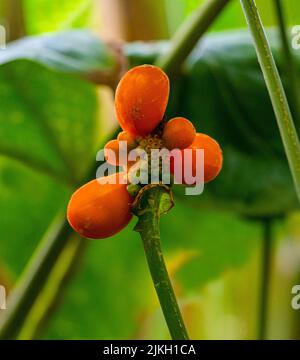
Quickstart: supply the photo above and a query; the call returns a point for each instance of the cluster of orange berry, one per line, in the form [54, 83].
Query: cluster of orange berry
[99, 210]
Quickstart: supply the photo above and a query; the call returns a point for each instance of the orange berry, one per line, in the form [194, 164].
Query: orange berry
[98, 211]
[114, 146]
[125, 136]
[141, 99]
[178, 133]
[213, 157]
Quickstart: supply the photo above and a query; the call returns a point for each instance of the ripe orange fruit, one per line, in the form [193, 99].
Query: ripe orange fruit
[213, 158]
[112, 147]
[141, 99]
[178, 133]
[125, 136]
[98, 211]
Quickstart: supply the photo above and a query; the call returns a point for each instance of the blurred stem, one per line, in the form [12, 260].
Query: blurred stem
[289, 62]
[132, 20]
[12, 16]
[189, 34]
[148, 227]
[280, 105]
[54, 289]
[33, 280]
[265, 276]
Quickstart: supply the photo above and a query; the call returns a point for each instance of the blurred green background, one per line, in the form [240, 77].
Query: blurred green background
[53, 121]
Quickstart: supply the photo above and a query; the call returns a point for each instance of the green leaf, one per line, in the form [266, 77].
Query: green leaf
[40, 101]
[57, 113]
[75, 51]
[49, 132]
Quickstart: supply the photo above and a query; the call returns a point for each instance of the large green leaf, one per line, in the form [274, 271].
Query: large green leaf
[49, 129]
[48, 120]
[76, 52]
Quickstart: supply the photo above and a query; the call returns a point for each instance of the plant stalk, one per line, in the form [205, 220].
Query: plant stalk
[189, 34]
[279, 101]
[289, 63]
[148, 227]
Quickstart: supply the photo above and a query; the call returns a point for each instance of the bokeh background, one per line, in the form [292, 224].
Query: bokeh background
[53, 119]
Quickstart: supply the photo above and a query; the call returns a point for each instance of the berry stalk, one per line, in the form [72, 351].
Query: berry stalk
[150, 206]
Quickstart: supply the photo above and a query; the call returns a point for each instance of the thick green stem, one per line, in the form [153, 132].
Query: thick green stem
[289, 63]
[265, 276]
[148, 227]
[189, 34]
[280, 105]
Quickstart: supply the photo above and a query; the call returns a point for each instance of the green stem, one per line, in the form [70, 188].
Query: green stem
[265, 276]
[148, 227]
[289, 62]
[181, 46]
[33, 280]
[189, 34]
[280, 105]
[54, 289]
